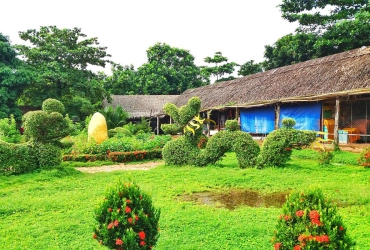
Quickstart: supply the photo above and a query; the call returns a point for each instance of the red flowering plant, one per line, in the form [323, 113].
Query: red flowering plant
[126, 218]
[310, 222]
[364, 159]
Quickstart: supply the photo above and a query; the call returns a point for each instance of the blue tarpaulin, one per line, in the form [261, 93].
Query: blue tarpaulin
[262, 119]
[306, 115]
[257, 120]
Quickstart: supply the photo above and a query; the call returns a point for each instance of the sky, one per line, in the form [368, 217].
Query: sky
[239, 29]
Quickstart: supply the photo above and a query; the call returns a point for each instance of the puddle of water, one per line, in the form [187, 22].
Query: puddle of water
[235, 198]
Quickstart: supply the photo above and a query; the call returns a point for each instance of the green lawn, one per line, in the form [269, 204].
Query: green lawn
[54, 209]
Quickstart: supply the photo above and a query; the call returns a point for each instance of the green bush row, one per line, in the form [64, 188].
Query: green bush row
[137, 155]
[142, 141]
[27, 157]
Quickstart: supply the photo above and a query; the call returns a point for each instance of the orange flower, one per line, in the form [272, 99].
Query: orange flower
[141, 235]
[142, 243]
[115, 223]
[277, 246]
[128, 210]
[119, 242]
[299, 213]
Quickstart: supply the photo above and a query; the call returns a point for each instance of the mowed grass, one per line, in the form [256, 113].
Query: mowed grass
[55, 209]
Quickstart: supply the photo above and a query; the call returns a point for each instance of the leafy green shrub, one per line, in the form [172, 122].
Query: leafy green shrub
[288, 123]
[171, 129]
[53, 105]
[232, 125]
[115, 117]
[310, 222]
[45, 127]
[9, 131]
[325, 157]
[135, 155]
[16, 159]
[126, 218]
[364, 159]
[47, 155]
[277, 147]
[181, 151]
[119, 132]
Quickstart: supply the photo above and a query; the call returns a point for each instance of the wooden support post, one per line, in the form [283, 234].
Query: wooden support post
[208, 123]
[157, 125]
[277, 115]
[336, 120]
[237, 116]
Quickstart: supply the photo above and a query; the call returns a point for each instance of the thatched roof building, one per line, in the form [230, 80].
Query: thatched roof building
[337, 75]
[141, 105]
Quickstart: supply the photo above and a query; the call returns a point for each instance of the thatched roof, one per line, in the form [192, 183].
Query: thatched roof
[342, 74]
[141, 105]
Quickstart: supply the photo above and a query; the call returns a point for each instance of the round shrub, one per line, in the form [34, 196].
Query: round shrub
[126, 218]
[288, 123]
[53, 105]
[232, 125]
[310, 222]
[42, 126]
[181, 151]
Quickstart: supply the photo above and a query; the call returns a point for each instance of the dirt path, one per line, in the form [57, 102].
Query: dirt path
[122, 167]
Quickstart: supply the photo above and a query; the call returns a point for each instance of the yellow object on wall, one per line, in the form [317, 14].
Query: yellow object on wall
[97, 130]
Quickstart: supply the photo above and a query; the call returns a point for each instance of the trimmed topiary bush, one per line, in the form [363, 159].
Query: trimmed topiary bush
[126, 218]
[277, 147]
[232, 125]
[310, 222]
[181, 151]
[288, 123]
[171, 129]
[241, 143]
[41, 126]
[48, 155]
[16, 159]
[53, 105]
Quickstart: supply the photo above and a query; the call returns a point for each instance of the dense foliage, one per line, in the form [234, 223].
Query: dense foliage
[169, 71]
[126, 218]
[9, 131]
[309, 221]
[115, 117]
[326, 28]
[61, 58]
[14, 78]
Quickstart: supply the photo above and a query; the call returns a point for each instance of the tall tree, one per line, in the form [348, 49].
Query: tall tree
[326, 28]
[62, 58]
[122, 81]
[250, 68]
[290, 49]
[14, 78]
[318, 15]
[220, 68]
[169, 71]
